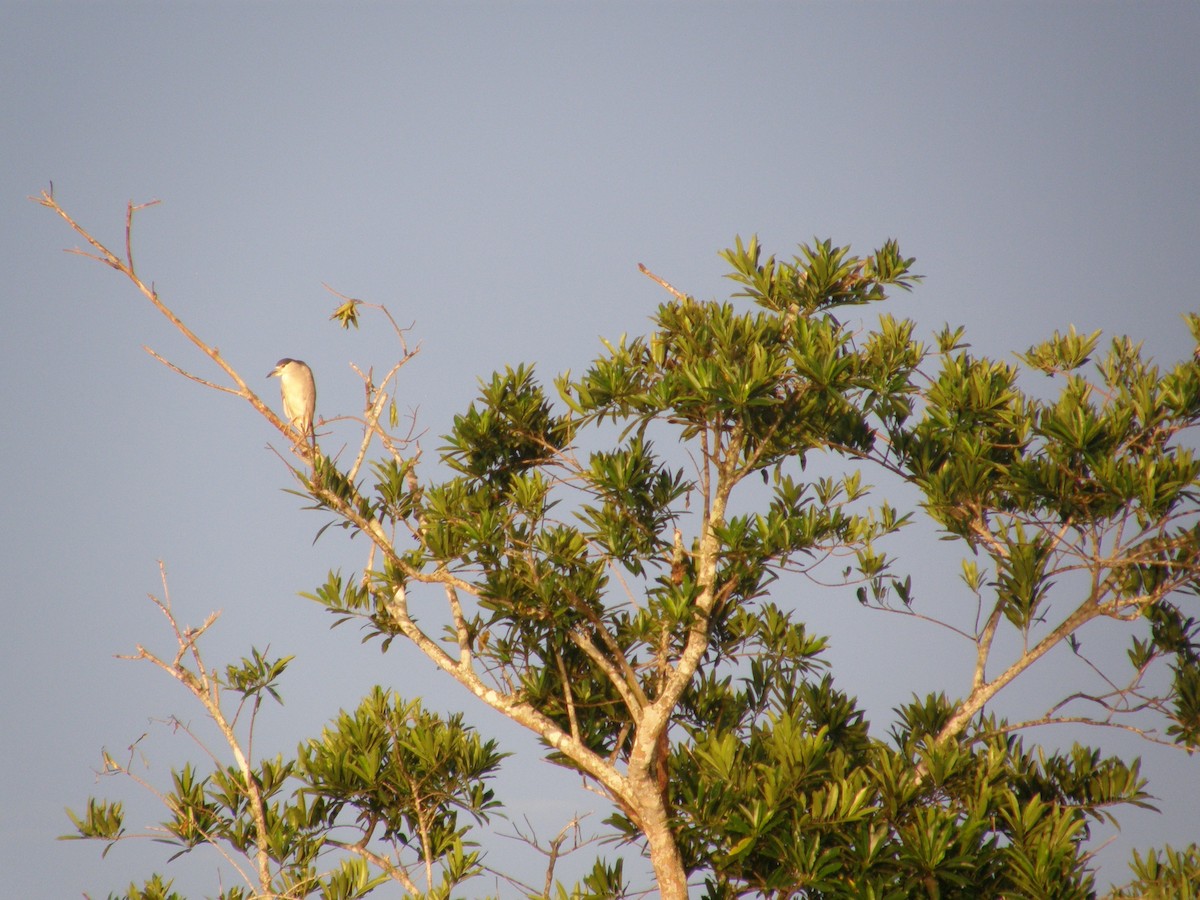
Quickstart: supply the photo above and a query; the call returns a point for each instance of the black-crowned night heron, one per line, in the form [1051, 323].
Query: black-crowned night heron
[299, 392]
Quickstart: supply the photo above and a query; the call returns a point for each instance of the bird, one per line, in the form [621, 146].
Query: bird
[299, 392]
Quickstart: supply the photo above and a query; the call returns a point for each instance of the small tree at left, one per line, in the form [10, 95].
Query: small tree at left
[387, 793]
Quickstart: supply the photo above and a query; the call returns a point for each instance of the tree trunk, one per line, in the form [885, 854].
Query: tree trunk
[648, 801]
[664, 853]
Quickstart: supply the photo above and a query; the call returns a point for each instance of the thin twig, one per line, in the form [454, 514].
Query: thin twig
[190, 376]
[678, 295]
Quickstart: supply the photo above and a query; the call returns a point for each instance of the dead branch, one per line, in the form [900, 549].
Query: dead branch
[125, 267]
[678, 295]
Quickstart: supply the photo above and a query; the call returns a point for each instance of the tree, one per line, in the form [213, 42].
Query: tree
[632, 608]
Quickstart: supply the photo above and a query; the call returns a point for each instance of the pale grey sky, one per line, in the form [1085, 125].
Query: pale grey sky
[494, 173]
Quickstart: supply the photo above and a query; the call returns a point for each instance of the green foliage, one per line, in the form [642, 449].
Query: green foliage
[391, 772]
[606, 881]
[257, 675]
[510, 429]
[1062, 353]
[103, 821]
[636, 494]
[153, 889]
[346, 315]
[800, 798]
[403, 770]
[821, 277]
[1164, 875]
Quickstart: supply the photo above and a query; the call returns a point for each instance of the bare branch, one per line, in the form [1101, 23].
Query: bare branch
[189, 375]
[1145, 733]
[678, 295]
[984, 692]
[125, 267]
[460, 626]
[556, 849]
[627, 686]
[568, 697]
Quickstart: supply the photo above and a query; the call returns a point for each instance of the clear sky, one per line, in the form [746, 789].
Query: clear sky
[494, 173]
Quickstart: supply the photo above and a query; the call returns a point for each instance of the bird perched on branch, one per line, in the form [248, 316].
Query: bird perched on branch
[299, 392]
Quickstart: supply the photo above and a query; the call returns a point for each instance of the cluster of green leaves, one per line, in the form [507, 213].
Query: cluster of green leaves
[1093, 455]
[1165, 873]
[779, 790]
[407, 774]
[375, 798]
[1098, 480]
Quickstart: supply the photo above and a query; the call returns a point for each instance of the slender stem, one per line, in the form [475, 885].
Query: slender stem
[207, 690]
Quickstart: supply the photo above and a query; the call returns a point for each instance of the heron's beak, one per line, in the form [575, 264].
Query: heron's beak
[273, 372]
